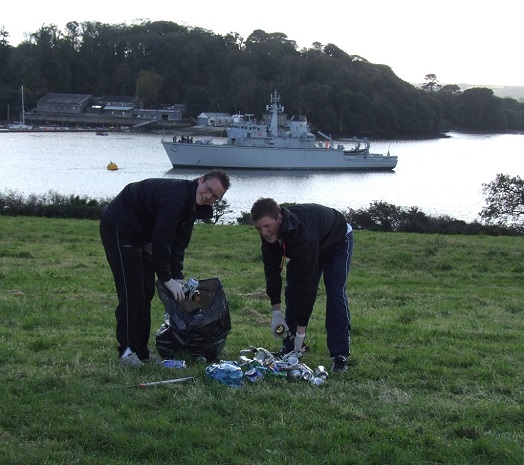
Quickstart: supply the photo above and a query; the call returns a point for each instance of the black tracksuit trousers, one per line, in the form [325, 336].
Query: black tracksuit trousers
[134, 278]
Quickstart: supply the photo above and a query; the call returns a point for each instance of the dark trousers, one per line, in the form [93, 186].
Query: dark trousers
[334, 266]
[134, 277]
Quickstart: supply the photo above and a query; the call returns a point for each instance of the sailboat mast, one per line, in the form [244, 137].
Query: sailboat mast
[23, 109]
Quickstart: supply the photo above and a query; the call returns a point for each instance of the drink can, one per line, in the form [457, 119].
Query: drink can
[254, 374]
[305, 372]
[174, 363]
[190, 289]
[281, 331]
[291, 359]
[191, 285]
[321, 372]
[317, 381]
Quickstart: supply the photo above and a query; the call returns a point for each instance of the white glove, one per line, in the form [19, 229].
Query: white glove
[299, 342]
[175, 288]
[278, 322]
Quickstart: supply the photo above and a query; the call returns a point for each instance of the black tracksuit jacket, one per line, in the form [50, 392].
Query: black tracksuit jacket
[161, 212]
[307, 233]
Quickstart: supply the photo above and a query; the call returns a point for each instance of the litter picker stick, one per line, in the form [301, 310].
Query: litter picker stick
[167, 381]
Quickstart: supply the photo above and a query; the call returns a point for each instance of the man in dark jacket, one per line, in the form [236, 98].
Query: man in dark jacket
[145, 230]
[318, 241]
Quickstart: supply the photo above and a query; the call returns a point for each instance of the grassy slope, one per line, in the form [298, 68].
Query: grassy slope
[436, 375]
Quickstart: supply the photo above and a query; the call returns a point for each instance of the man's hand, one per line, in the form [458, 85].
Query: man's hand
[278, 324]
[299, 343]
[175, 288]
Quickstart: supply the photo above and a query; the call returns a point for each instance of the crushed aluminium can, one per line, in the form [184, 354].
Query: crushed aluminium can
[254, 374]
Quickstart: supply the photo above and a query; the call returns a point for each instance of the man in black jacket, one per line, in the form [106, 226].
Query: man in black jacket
[318, 241]
[145, 230]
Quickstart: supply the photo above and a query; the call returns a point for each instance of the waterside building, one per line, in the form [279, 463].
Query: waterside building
[88, 110]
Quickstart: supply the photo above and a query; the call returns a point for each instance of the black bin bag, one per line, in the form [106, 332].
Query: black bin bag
[197, 327]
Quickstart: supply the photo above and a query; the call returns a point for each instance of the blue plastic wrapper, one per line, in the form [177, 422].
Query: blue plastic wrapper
[228, 373]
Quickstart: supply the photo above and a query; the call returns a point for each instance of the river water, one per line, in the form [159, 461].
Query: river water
[439, 176]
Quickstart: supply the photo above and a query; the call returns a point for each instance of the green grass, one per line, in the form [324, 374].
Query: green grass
[436, 375]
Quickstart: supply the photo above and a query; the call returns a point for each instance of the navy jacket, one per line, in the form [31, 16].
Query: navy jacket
[161, 212]
[307, 234]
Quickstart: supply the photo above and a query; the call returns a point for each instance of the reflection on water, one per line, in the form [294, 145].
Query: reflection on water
[440, 176]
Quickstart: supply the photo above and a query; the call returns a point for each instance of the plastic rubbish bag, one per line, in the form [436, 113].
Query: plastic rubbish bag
[198, 327]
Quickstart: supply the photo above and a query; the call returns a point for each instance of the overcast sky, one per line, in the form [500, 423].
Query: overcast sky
[459, 41]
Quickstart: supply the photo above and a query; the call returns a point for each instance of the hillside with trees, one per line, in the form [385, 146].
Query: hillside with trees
[164, 63]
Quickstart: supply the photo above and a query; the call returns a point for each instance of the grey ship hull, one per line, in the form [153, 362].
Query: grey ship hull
[197, 155]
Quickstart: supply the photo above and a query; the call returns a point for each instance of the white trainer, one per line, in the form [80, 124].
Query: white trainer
[131, 360]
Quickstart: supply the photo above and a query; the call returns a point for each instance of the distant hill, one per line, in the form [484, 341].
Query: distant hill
[516, 92]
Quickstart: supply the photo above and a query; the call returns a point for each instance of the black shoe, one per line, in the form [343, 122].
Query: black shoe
[340, 364]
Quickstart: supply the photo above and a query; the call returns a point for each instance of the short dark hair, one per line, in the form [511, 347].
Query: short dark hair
[221, 175]
[265, 207]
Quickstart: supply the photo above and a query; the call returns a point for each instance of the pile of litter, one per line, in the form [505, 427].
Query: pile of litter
[256, 363]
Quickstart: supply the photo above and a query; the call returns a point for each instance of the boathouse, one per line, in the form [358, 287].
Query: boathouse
[214, 119]
[68, 104]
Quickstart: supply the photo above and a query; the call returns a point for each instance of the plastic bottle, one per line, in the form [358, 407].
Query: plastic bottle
[174, 363]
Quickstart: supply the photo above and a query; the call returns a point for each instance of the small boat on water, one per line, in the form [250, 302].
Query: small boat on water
[112, 166]
[102, 133]
[251, 145]
[20, 125]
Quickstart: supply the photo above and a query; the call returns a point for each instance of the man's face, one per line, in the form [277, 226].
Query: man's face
[268, 228]
[209, 191]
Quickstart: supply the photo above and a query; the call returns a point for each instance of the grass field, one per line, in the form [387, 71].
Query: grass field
[436, 369]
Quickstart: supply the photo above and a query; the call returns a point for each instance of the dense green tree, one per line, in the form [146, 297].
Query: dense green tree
[478, 108]
[514, 113]
[362, 117]
[447, 96]
[165, 63]
[387, 116]
[504, 201]
[267, 50]
[148, 88]
[4, 37]
[197, 100]
[316, 97]
[450, 89]
[431, 84]
[6, 91]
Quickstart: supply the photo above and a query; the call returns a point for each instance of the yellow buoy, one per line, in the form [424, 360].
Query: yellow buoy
[112, 166]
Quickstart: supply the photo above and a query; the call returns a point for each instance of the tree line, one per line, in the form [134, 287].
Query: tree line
[163, 63]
